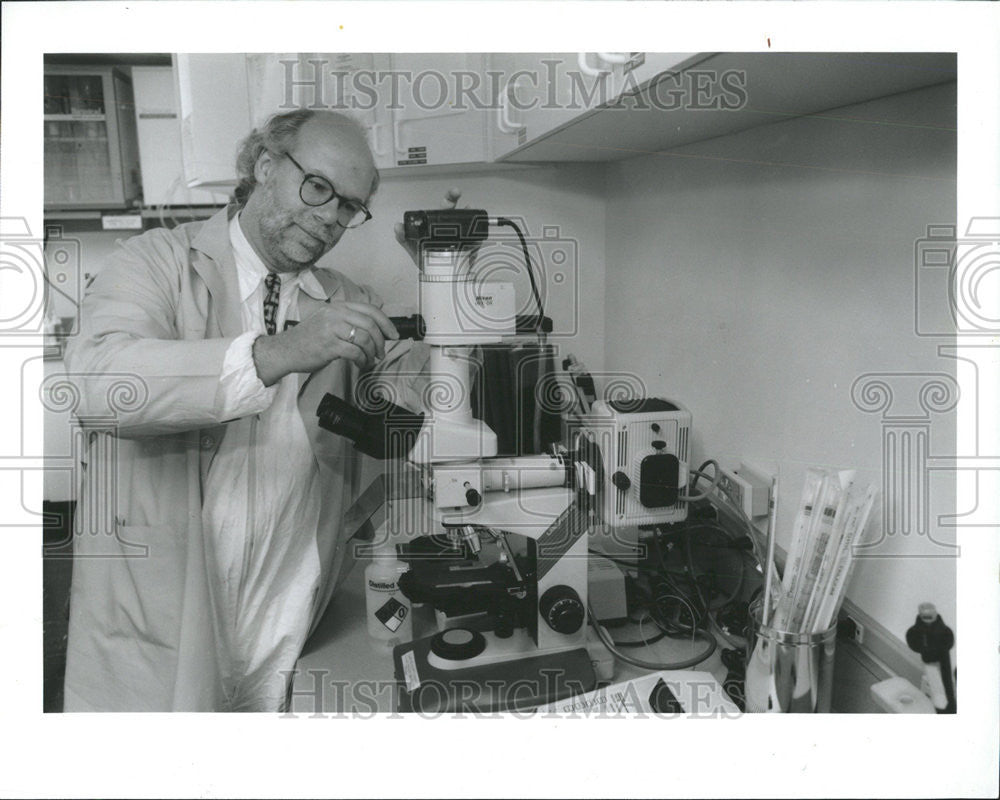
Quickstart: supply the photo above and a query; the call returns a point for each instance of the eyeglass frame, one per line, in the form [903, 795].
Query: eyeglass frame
[341, 199]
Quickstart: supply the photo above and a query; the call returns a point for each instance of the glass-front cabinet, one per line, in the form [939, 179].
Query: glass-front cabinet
[91, 149]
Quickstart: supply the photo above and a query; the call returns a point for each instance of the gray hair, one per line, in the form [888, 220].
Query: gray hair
[277, 135]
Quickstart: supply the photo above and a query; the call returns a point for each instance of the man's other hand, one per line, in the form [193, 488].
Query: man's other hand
[323, 337]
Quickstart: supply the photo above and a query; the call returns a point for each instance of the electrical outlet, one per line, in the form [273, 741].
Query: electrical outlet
[747, 490]
[761, 480]
[734, 489]
[859, 631]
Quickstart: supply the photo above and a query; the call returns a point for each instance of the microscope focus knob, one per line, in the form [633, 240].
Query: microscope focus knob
[562, 609]
[622, 481]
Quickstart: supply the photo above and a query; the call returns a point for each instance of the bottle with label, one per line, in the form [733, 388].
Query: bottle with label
[388, 610]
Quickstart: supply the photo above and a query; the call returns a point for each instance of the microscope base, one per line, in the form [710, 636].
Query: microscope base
[517, 684]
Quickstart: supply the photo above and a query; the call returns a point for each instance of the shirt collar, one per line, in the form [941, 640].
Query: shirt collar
[251, 270]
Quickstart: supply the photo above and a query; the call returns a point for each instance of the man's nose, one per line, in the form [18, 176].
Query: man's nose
[328, 213]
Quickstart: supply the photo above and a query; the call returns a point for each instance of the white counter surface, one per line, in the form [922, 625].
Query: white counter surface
[341, 672]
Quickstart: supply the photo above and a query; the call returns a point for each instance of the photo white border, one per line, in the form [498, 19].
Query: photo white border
[226, 755]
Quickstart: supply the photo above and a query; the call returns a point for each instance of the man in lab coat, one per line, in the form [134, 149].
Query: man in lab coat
[224, 501]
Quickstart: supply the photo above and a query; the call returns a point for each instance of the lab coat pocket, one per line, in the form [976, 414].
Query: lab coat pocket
[148, 589]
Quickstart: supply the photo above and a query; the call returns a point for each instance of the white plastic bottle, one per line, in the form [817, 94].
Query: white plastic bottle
[387, 609]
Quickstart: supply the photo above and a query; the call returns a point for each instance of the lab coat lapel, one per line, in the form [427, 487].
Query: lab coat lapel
[217, 268]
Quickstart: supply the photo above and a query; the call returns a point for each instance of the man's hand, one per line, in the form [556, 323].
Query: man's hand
[323, 337]
[451, 198]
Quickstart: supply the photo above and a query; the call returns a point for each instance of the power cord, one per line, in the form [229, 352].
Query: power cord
[527, 261]
[671, 590]
[652, 665]
[700, 473]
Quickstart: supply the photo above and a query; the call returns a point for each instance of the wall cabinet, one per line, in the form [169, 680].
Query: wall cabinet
[408, 104]
[528, 107]
[433, 122]
[214, 105]
[684, 98]
[160, 151]
[541, 92]
[91, 152]
[335, 81]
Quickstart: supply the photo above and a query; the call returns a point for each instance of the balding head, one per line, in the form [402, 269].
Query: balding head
[288, 233]
[279, 134]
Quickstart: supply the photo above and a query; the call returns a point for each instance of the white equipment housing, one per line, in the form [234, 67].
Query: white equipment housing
[644, 447]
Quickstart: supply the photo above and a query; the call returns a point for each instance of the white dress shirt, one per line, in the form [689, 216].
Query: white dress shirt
[261, 505]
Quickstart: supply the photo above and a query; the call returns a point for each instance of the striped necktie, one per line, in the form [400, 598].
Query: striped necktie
[273, 284]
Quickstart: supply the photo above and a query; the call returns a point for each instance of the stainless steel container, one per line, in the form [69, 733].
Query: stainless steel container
[789, 672]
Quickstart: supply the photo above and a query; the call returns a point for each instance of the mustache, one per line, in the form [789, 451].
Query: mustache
[326, 237]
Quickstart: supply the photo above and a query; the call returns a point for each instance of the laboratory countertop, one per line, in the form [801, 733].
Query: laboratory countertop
[343, 672]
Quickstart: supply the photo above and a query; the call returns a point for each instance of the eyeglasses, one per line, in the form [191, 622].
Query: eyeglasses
[316, 190]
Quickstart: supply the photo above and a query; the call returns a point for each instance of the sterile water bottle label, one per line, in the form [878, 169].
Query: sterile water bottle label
[391, 614]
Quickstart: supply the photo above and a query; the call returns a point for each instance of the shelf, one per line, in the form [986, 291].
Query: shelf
[89, 220]
[74, 117]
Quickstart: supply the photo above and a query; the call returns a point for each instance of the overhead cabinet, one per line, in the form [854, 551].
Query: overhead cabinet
[544, 92]
[160, 150]
[214, 102]
[668, 100]
[91, 154]
[427, 110]
[409, 105]
[279, 82]
[438, 116]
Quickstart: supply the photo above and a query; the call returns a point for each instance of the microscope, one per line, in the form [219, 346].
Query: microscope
[506, 563]
[506, 567]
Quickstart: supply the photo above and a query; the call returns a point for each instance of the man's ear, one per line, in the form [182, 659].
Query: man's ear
[265, 163]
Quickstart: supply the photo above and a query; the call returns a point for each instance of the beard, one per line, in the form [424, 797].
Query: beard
[292, 244]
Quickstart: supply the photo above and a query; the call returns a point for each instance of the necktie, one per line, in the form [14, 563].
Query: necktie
[273, 284]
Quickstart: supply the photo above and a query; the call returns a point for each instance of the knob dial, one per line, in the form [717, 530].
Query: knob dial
[562, 609]
[472, 497]
[622, 481]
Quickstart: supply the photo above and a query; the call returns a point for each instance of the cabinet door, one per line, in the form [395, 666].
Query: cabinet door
[433, 121]
[341, 82]
[82, 155]
[547, 91]
[504, 124]
[215, 115]
[159, 131]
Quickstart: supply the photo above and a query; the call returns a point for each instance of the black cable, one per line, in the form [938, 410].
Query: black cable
[642, 642]
[690, 561]
[652, 665]
[527, 261]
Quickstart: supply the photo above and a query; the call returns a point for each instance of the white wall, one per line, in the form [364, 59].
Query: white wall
[755, 276]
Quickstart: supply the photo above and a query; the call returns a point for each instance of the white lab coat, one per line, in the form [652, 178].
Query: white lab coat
[155, 327]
